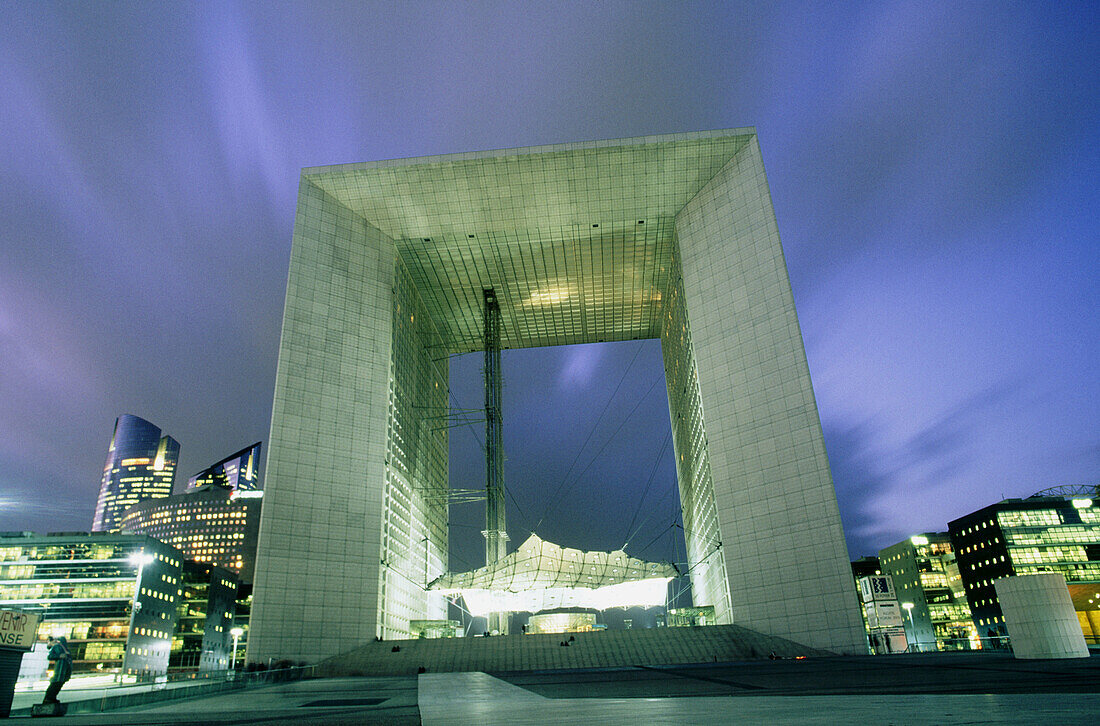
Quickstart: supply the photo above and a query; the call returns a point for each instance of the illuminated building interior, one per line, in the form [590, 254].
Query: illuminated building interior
[211, 524]
[116, 598]
[1047, 532]
[689, 617]
[561, 623]
[206, 604]
[925, 573]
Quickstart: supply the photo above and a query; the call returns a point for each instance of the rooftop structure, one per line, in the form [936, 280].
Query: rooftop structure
[239, 471]
[670, 237]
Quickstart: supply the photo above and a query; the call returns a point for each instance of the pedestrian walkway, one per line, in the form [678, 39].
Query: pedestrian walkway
[77, 692]
[601, 649]
[325, 702]
[460, 699]
[943, 688]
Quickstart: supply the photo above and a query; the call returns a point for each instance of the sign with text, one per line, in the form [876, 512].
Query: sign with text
[18, 629]
[884, 614]
[876, 587]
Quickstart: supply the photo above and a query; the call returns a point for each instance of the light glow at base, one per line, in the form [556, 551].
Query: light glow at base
[642, 593]
[541, 576]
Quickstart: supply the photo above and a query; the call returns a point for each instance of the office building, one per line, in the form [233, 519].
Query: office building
[113, 596]
[239, 472]
[128, 604]
[930, 592]
[1047, 532]
[141, 465]
[666, 237]
[865, 567]
[202, 639]
[210, 524]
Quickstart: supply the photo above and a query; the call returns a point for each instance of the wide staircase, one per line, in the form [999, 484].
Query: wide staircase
[599, 649]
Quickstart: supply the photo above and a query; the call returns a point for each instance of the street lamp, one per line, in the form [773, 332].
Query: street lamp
[912, 629]
[236, 633]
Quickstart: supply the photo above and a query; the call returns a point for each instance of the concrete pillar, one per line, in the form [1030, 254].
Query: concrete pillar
[1040, 618]
[318, 560]
[786, 560]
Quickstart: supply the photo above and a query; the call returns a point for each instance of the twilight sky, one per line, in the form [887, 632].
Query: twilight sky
[935, 169]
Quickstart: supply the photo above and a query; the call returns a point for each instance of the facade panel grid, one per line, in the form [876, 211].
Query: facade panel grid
[414, 536]
[579, 242]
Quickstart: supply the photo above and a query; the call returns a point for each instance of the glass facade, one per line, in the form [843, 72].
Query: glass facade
[119, 600]
[202, 640]
[414, 528]
[212, 525]
[112, 596]
[239, 471]
[141, 464]
[709, 586]
[1026, 536]
[925, 573]
[690, 617]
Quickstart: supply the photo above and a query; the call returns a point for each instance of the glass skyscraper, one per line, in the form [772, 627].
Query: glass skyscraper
[239, 471]
[141, 464]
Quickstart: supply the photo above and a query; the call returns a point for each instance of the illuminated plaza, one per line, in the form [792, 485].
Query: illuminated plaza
[663, 237]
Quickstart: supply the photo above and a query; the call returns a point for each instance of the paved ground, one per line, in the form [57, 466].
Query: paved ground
[485, 701]
[927, 673]
[920, 689]
[75, 690]
[330, 701]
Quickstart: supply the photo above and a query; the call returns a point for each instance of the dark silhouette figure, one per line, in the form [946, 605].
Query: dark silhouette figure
[63, 668]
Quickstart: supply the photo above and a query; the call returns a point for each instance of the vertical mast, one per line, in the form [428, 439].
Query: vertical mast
[495, 533]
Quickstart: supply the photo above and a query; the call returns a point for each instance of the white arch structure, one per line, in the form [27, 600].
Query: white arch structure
[670, 237]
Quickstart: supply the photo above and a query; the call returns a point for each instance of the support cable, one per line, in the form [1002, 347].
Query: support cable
[580, 451]
[649, 482]
[481, 446]
[656, 509]
[659, 535]
[605, 444]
